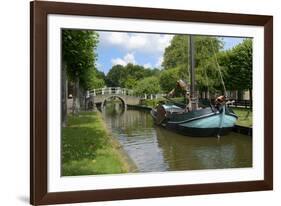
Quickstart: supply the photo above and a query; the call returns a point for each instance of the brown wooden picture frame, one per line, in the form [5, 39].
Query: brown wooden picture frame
[38, 102]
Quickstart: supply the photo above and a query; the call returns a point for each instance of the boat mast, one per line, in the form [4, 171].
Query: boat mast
[193, 96]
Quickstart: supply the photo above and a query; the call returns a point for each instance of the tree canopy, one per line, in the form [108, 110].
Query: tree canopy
[78, 52]
[238, 65]
[148, 85]
[176, 58]
[177, 52]
[168, 79]
[128, 76]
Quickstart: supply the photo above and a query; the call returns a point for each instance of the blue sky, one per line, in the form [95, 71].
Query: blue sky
[138, 48]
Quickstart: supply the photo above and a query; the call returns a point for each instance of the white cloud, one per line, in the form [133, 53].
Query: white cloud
[159, 62]
[142, 43]
[128, 58]
[147, 65]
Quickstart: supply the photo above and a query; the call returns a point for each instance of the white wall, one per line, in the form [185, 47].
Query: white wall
[14, 101]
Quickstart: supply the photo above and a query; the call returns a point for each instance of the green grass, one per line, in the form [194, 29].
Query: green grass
[88, 149]
[244, 118]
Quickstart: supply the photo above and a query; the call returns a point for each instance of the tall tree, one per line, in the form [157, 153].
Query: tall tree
[114, 76]
[238, 64]
[176, 53]
[176, 56]
[207, 69]
[78, 52]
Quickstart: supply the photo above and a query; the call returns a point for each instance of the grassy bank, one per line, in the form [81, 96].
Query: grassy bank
[245, 117]
[88, 149]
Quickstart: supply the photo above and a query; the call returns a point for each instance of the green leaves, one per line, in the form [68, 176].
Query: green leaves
[235, 64]
[92, 80]
[148, 85]
[177, 52]
[78, 52]
[238, 65]
[128, 76]
[168, 79]
[177, 56]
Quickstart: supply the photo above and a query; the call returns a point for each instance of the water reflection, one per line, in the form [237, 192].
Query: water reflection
[155, 149]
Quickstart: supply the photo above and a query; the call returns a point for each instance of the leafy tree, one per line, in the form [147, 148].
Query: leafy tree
[92, 80]
[100, 75]
[205, 49]
[168, 79]
[148, 85]
[129, 82]
[176, 55]
[238, 65]
[207, 77]
[177, 52]
[207, 71]
[78, 53]
[128, 76]
[115, 75]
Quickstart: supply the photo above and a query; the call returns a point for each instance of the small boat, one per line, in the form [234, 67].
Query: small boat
[189, 119]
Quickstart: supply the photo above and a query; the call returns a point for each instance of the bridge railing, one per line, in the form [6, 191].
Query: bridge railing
[112, 90]
[123, 91]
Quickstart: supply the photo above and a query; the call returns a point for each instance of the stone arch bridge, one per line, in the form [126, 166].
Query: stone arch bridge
[100, 96]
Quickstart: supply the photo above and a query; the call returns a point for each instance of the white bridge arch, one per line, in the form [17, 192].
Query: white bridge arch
[99, 96]
[127, 96]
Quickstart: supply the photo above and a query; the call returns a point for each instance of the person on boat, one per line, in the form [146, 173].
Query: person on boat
[220, 100]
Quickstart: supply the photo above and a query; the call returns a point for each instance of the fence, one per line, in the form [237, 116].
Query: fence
[242, 103]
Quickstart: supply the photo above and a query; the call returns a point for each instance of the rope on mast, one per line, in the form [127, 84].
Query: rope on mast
[218, 68]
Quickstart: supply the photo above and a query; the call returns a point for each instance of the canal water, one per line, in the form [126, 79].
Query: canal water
[155, 149]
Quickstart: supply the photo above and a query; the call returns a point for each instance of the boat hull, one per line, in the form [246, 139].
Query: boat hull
[199, 132]
[204, 123]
